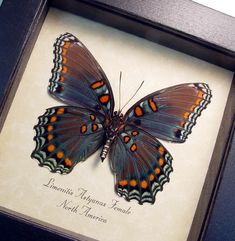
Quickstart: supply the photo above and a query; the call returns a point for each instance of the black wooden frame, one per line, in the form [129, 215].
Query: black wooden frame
[179, 24]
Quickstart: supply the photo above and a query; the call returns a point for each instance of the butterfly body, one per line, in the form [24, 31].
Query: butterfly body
[67, 135]
[114, 126]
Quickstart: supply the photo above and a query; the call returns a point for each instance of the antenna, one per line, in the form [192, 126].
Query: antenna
[119, 86]
[132, 96]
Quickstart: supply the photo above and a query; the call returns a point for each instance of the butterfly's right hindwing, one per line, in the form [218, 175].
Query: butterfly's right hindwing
[141, 165]
[66, 135]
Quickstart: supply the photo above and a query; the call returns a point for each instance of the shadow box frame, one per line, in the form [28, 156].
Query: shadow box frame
[182, 25]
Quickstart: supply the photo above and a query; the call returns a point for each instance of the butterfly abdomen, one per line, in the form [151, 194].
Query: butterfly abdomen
[106, 148]
[111, 133]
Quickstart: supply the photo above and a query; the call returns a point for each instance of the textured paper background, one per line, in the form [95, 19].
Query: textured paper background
[21, 186]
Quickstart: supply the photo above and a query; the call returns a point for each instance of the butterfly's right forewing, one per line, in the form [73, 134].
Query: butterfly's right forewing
[170, 114]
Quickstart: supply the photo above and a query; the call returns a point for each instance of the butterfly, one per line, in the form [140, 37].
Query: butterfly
[67, 135]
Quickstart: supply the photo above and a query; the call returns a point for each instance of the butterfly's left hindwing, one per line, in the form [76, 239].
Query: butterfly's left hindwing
[66, 135]
[141, 164]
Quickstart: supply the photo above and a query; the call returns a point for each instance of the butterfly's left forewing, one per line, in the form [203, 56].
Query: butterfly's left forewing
[141, 164]
[77, 78]
[66, 135]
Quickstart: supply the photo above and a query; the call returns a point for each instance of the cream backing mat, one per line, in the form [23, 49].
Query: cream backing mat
[84, 201]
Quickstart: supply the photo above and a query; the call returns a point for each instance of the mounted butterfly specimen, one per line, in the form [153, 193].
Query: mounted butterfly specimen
[67, 135]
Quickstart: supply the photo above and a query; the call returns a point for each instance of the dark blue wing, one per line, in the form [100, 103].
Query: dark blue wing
[77, 79]
[170, 114]
[141, 164]
[66, 135]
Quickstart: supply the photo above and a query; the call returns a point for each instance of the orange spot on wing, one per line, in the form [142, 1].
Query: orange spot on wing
[133, 147]
[49, 137]
[53, 118]
[157, 170]
[134, 133]
[182, 123]
[97, 84]
[104, 99]
[60, 154]
[152, 105]
[133, 183]
[64, 60]
[198, 101]
[51, 148]
[126, 139]
[151, 177]
[186, 115]
[123, 183]
[83, 129]
[60, 111]
[92, 117]
[94, 127]
[61, 78]
[68, 162]
[161, 150]
[138, 111]
[144, 184]
[64, 69]
[66, 45]
[64, 52]
[161, 162]
[50, 128]
[192, 107]
[200, 94]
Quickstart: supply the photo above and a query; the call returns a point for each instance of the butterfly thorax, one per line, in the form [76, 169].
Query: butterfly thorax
[112, 129]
